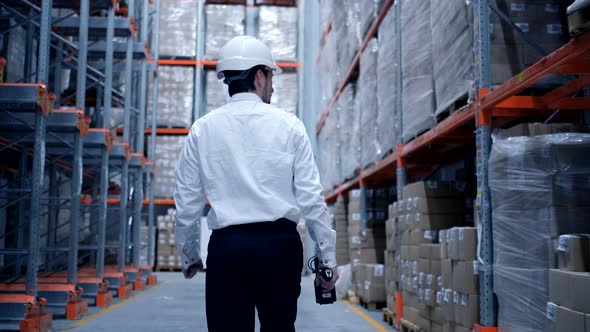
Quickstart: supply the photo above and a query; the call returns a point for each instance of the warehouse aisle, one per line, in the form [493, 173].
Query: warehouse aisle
[178, 305]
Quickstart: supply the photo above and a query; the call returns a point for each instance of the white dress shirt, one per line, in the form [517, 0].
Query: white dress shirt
[253, 163]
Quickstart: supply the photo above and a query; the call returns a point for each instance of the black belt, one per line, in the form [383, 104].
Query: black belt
[277, 225]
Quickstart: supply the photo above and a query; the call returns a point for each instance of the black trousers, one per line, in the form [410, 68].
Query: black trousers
[254, 266]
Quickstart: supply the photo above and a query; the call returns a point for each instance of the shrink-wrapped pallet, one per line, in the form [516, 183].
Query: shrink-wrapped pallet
[175, 97]
[217, 94]
[387, 80]
[285, 92]
[223, 23]
[349, 141]
[168, 150]
[178, 28]
[329, 144]
[277, 29]
[367, 93]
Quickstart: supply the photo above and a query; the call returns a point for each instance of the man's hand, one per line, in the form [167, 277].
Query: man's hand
[327, 285]
[193, 269]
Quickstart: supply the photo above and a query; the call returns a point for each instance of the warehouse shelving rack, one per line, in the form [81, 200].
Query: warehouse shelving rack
[60, 141]
[473, 126]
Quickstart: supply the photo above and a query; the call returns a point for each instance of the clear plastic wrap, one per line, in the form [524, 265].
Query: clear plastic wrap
[175, 97]
[217, 94]
[168, 149]
[452, 39]
[367, 93]
[539, 189]
[329, 144]
[387, 67]
[346, 109]
[223, 23]
[285, 92]
[178, 28]
[328, 71]
[418, 83]
[278, 30]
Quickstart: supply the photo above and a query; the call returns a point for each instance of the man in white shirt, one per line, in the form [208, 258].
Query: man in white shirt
[254, 164]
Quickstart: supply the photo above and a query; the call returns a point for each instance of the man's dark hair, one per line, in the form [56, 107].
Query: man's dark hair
[242, 85]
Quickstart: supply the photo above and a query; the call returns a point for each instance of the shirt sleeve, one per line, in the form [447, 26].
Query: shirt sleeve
[308, 194]
[189, 199]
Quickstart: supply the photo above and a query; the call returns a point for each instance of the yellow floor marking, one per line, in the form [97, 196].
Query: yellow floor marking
[112, 307]
[366, 317]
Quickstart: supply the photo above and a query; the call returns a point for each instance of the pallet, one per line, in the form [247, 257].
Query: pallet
[372, 306]
[388, 316]
[407, 326]
[456, 106]
[579, 21]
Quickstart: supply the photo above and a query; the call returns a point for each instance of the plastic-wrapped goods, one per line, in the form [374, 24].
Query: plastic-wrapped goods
[178, 28]
[175, 97]
[278, 30]
[223, 23]
[387, 72]
[326, 12]
[355, 140]
[285, 92]
[327, 68]
[168, 149]
[329, 144]
[367, 93]
[217, 94]
[418, 83]
[12, 49]
[541, 20]
[368, 12]
[349, 141]
[539, 189]
[452, 39]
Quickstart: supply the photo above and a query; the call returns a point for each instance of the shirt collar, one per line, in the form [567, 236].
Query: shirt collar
[244, 96]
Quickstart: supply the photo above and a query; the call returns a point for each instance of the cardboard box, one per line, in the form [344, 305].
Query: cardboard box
[431, 189]
[418, 237]
[437, 221]
[563, 319]
[442, 235]
[437, 205]
[435, 327]
[573, 252]
[371, 256]
[468, 310]
[570, 289]
[461, 328]
[437, 315]
[411, 313]
[466, 249]
[406, 237]
[414, 252]
[424, 266]
[447, 273]
[436, 267]
[466, 277]
[448, 305]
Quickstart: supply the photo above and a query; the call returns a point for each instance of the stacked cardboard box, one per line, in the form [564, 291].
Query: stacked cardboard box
[539, 187]
[143, 250]
[568, 308]
[428, 208]
[368, 243]
[341, 226]
[167, 256]
[391, 256]
[459, 283]
[541, 20]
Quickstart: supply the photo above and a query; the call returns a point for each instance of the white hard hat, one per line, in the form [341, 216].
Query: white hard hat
[244, 52]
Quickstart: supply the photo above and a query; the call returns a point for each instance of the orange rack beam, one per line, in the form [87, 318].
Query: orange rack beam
[355, 63]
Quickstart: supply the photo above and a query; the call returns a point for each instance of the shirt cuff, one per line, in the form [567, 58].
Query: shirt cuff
[190, 254]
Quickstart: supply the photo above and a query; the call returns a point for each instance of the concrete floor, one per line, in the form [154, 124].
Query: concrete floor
[177, 304]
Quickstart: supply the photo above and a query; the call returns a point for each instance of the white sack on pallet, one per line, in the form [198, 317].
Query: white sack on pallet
[285, 92]
[175, 97]
[452, 38]
[367, 93]
[538, 189]
[387, 71]
[167, 151]
[178, 28]
[418, 84]
[217, 94]
[349, 140]
[223, 23]
[277, 29]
